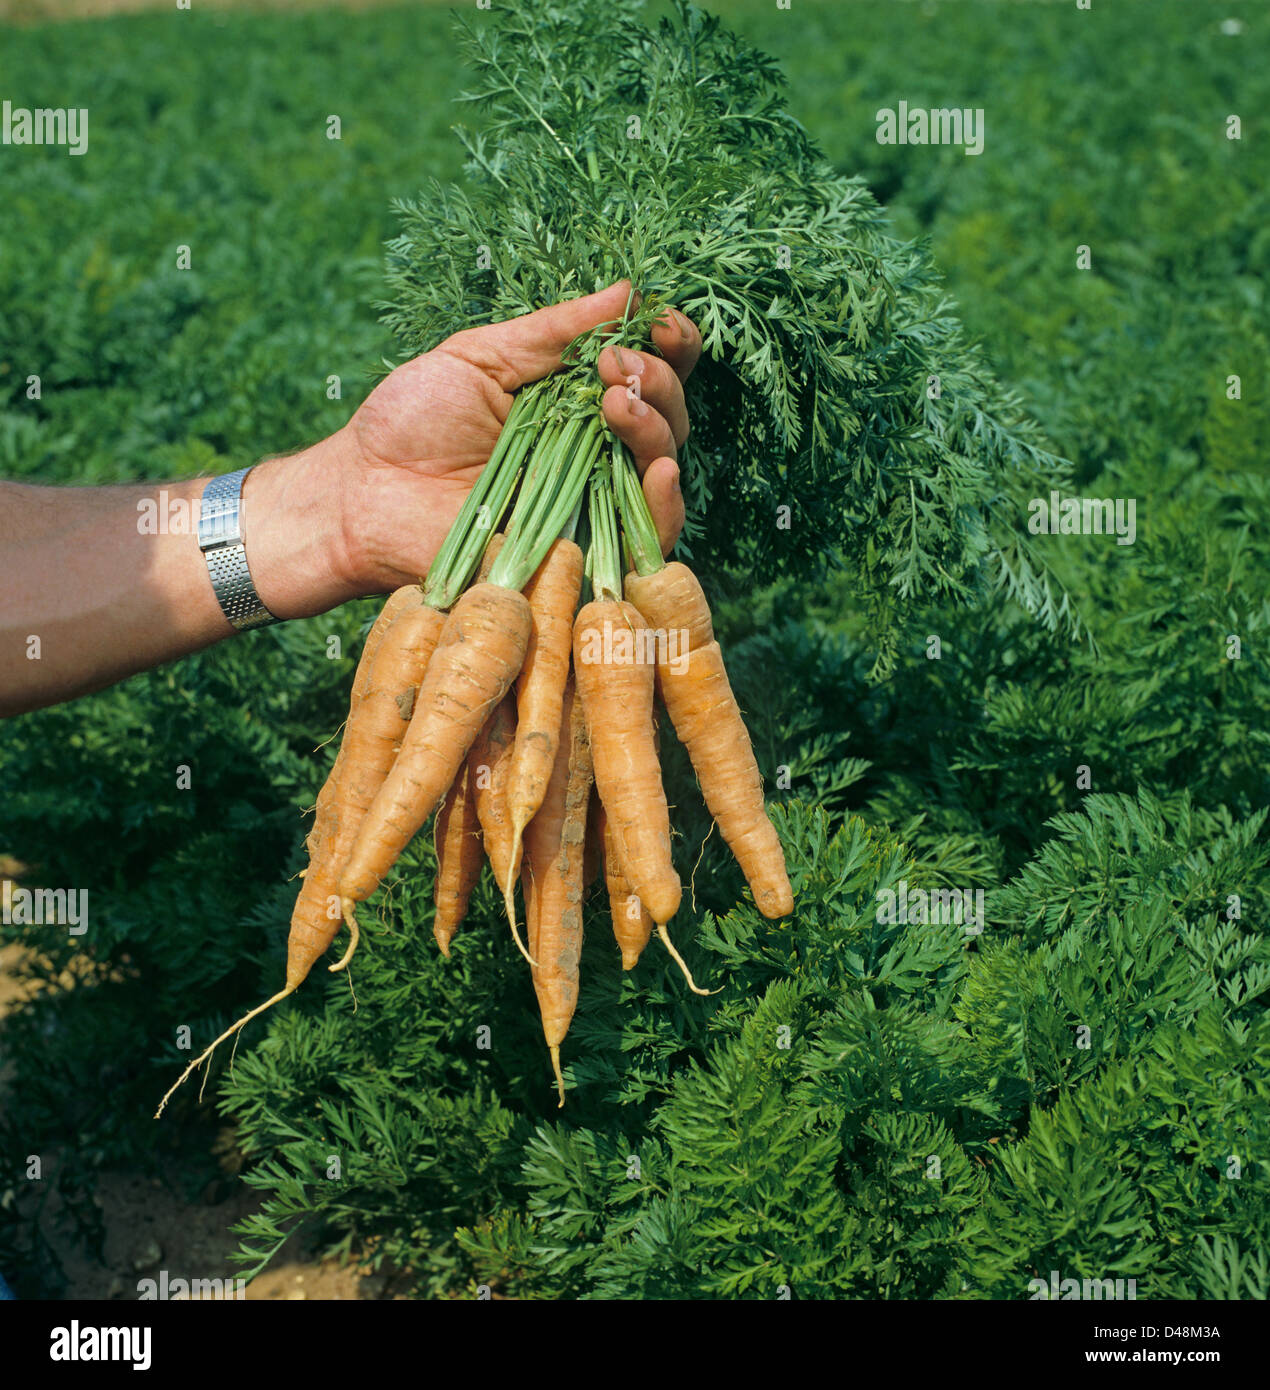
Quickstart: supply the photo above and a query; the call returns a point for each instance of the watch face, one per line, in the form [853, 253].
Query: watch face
[218, 521]
[220, 536]
[218, 514]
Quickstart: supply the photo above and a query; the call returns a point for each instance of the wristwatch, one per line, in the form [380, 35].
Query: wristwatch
[220, 538]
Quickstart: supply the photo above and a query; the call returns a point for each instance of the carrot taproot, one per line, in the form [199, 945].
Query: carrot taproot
[376, 726]
[694, 687]
[478, 655]
[408, 596]
[378, 717]
[632, 924]
[552, 595]
[489, 762]
[615, 684]
[460, 855]
[554, 844]
[373, 739]
[457, 832]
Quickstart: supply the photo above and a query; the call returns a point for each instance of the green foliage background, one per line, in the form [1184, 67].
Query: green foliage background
[698, 1156]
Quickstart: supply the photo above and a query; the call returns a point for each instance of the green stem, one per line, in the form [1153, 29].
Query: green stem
[465, 542]
[555, 446]
[643, 545]
[557, 486]
[605, 558]
[569, 532]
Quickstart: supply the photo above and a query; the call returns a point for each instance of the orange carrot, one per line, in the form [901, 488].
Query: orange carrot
[372, 740]
[632, 924]
[378, 717]
[554, 843]
[491, 554]
[489, 762]
[553, 597]
[374, 732]
[478, 655]
[460, 856]
[616, 688]
[695, 690]
[408, 596]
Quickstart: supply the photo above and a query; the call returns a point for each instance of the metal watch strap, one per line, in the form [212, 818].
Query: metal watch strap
[220, 538]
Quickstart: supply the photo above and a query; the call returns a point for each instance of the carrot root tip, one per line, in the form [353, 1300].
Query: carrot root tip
[555, 1066]
[354, 931]
[509, 903]
[681, 963]
[228, 1033]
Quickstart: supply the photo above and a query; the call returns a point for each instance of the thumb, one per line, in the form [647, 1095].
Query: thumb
[523, 349]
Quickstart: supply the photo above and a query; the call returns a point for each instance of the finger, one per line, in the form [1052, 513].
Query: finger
[678, 340]
[665, 501]
[523, 349]
[644, 432]
[655, 380]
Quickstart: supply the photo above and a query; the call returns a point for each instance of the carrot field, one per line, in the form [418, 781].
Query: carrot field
[954, 698]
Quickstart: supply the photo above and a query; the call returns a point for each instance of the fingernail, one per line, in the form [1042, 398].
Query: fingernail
[678, 489]
[685, 328]
[632, 364]
[638, 408]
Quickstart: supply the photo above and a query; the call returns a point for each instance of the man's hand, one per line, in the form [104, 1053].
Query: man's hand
[89, 595]
[421, 438]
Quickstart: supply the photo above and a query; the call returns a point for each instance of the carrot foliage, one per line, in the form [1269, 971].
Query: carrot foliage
[840, 417]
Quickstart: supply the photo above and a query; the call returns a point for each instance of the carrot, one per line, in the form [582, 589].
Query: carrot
[632, 924]
[707, 719]
[478, 655]
[457, 833]
[552, 594]
[372, 736]
[313, 928]
[616, 688]
[316, 919]
[460, 856]
[408, 596]
[489, 762]
[491, 554]
[554, 843]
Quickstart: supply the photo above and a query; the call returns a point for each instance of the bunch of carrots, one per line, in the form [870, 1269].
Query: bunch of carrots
[512, 695]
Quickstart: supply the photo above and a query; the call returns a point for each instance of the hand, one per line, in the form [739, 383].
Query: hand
[421, 438]
[360, 512]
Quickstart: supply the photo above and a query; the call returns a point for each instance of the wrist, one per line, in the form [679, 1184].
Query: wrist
[295, 533]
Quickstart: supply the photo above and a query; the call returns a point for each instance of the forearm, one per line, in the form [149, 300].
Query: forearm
[99, 583]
